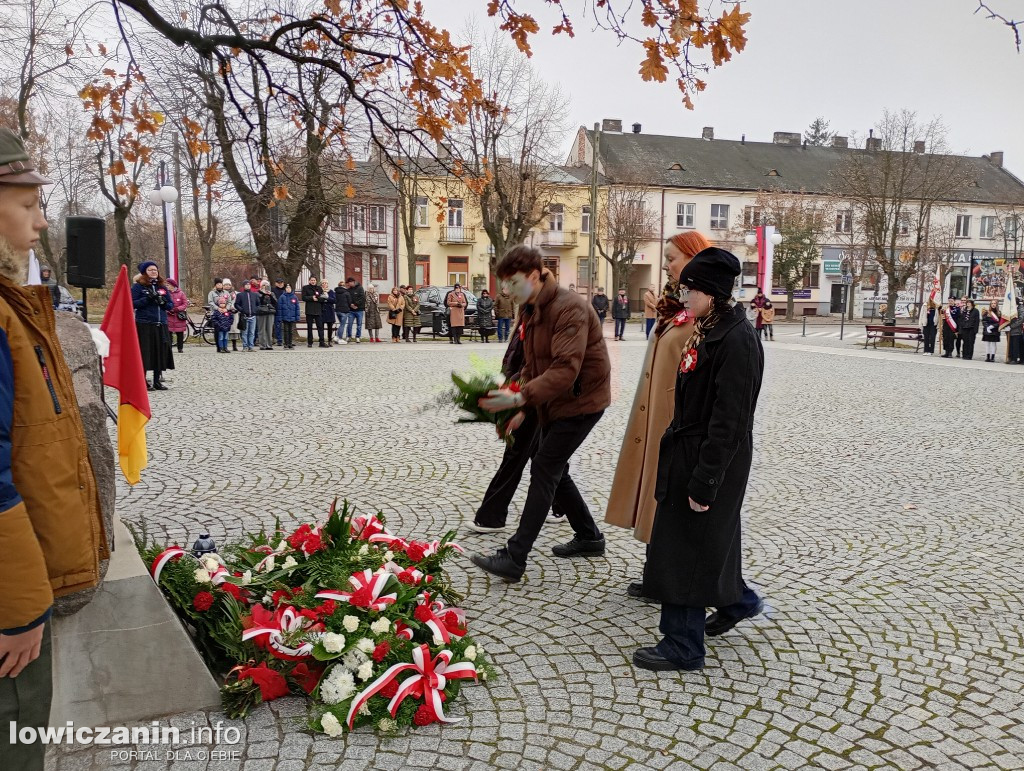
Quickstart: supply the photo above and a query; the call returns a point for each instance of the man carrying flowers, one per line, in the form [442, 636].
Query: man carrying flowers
[566, 380]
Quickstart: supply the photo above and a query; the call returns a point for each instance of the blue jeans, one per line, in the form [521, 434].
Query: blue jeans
[355, 317]
[278, 336]
[249, 334]
[683, 628]
[222, 338]
[620, 327]
[650, 326]
[342, 322]
[504, 325]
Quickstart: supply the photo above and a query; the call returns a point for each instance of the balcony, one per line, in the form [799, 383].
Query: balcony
[364, 239]
[457, 234]
[558, 239]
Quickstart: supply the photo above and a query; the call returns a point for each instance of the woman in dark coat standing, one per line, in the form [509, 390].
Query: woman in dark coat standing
[485, 316]
[152, 299]
[695, 559]
[990, 324]
[970, 320]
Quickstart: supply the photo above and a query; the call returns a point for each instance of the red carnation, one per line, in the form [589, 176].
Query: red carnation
[407, 577]
[424, 715]
[234, 590]
[296, 539]
[327, 608]
[381, 651]
[307, 677]
[313, 544]
[203, 601]
[415, 552]
[271, 682]
[422, 613]
[362, 597]
[280, 594]
[310, 614]
[389, 690]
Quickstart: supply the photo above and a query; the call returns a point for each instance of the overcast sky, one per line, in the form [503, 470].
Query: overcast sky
[845, 61]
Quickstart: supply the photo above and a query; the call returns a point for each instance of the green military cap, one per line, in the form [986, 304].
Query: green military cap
[16, 168]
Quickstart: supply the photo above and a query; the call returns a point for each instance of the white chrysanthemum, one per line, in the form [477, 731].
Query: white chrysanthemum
[364, 550]
[351, 623]
[210, 562]
[470, 653]
[389, 555]
[289, 563]
[247, 577]
[366, 645]
[337, 686]
[364, 709]
[380, 626]
[202, 575]
[353, 659]
[333, 643]
[365, 671]
[331, 724]
[386, 725]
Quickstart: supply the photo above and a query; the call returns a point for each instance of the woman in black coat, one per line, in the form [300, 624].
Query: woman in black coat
[970, 320]
[694, 560]
[990, 324]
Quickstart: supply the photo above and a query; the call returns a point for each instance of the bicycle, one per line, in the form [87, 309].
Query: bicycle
[202, 330]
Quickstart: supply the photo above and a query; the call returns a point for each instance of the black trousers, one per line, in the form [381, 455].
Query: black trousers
[968, 345]
[407, 330]
[288, 328]
[1016, 346]
[396, 331]
[319, 322]
[948, 338]
[457, 335]
[549, 477]
[179, 339]
[328, 327]
[929, 338]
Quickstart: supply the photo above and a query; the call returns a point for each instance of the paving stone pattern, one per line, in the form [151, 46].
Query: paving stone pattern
[885, 541]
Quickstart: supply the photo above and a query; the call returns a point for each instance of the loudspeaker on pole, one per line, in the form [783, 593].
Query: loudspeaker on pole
[86, 238]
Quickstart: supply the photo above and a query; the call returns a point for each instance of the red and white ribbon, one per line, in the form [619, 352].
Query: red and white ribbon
[374, 582]
[289, 621]
[433, 547]
[403, 630]
[370, 528]
[430, 678]
[167, 555]
[440, 617]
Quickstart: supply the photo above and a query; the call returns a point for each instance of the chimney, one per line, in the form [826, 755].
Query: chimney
[787, 138]
[636, 128]
[840, 142]
[996, 159]
[873, 143]
[919, 146]
[611, 125]
[743, 139]
[709, 132]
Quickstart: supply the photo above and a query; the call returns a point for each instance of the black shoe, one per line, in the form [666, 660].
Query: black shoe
[579, 548]
[649, 658]
[322, 345]
[499, 564]
[477, 528]
[158, 386]
[636, 591]
[148, 386]
[717, 623]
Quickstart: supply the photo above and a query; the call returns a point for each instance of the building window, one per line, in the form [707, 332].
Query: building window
[752, 216]
[719, 216]
[357, 217]
[378, 267]
[455, 212]
[1011, 228]
[377, 218]
[458, 269]
[903, 224]
[341, 222]
[551, 265]
[685, 214]
[583, 275]
[844, 221]
[419, 218]
[812, 279]
[963, 226]
[987, 227]
[585, 221]
[556, 217]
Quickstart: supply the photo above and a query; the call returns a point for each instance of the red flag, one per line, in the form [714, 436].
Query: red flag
[123, 371]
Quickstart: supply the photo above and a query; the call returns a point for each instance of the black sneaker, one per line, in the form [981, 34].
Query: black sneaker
[579, 548]
[499, 564]
[719, 623]
[478, 528]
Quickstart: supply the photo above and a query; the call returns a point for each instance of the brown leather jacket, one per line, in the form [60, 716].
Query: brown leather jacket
[566, 361]
[50, 523]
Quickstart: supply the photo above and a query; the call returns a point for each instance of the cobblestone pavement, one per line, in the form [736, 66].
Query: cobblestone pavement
[883, 527]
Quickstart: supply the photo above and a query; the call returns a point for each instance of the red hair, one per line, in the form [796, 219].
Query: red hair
[689, 243]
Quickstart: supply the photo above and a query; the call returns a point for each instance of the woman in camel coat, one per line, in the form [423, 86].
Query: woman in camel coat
[631, 502]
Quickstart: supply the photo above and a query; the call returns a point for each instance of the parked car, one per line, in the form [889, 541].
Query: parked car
[432, 301]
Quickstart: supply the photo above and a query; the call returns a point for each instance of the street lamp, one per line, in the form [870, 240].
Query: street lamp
[162, 195]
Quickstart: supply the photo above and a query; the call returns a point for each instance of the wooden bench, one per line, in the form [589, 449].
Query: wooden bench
[876, 332]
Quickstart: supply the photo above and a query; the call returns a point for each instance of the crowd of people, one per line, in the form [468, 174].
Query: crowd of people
[962, 321]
